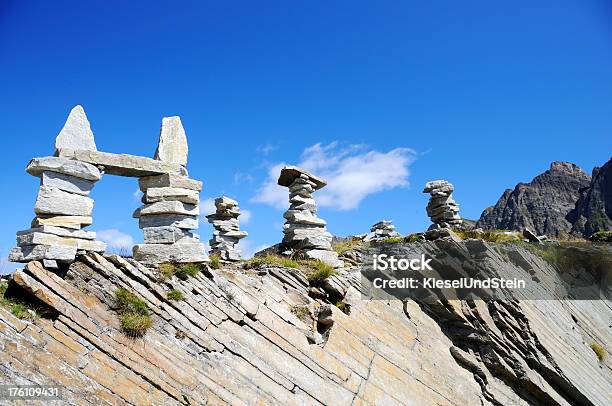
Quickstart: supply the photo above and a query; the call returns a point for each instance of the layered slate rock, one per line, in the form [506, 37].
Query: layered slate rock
[593, 210]
[227, 233]
[442, 208]
[62, 205]
[172, 147]
[542, 205]
[382, 230]
[304, 231]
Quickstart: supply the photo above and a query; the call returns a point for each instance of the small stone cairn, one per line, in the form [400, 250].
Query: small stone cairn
[62, 207]
[227, 232]
[171, 205]
[442, 209]
[381, 231]
[304, 231]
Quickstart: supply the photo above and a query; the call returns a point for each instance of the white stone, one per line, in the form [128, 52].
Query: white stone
[172, 145]
[170, 207]
[153, 254]
[76, 133]
[169, 180]
[60, 231]
[169, 220]
[165, 235]
[67, 183]
[41, 252]
[72, 222]
[66, 166]
[36, 238]
[55, 201]
[329, 257]
[153, 195]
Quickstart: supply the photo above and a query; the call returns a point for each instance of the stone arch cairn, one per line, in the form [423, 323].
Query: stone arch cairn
[63, 207]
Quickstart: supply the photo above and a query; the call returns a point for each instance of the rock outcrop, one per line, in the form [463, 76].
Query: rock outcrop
[227, 232]
[304, 231]
[541, 205]
[442, 208]
[260, 338]
[593, 210]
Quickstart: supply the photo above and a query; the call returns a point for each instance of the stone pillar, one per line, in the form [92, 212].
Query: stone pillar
[442, 209]
[62, 206]
[227, 232]
[381, 231]
[305, 233]
[171, 205]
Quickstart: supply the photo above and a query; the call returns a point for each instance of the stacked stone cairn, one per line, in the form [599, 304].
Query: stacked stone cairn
[305, 233]
[171, 205]
[227, 232]
[442, 209]
[381, 231]
[62, 207]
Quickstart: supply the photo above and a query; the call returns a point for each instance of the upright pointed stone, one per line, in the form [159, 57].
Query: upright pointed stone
[76, 134]
[172, 147]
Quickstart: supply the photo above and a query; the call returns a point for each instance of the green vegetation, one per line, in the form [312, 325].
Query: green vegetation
[183, 271]
[134, 312]
[573, 255]
[415, 238]
[392, 240]
[343, 247]
[215, 261]
[18, 308]
[175, 294]
[316, 271]
[489, 235]
[344, 307]
[599, 351]
[601, 236]
[302, 313]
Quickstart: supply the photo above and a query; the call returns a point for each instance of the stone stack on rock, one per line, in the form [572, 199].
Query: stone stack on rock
[380, 231]
[171, 205]
[63, 206]
[304, 231]
[227, 232]
[442, 209]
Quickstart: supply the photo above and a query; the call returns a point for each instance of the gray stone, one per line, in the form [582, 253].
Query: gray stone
[60, 231]
[165, 235]
[290, 173]
[36, 238]
[169, 180]
[65, 166]
[226, 234]
[169, 220]
[67, 183]
[55, 201]
[40, 252]
[172, 145]
[72, 222]
[303, 217]
[170, 207]
[531, 236]
[153, 254]
[123, 164]
[50, 263]
[76, 133]
[153, 195]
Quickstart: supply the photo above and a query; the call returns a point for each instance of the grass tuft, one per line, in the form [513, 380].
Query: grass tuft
[183, 271]
[215, 261]
[134, 312]
[392, 240]
[18, 308]
[599, 351]
[316, 270]
[343, 247]
[175, 295]
[302, 313]
[271, 260]
[414, 238]
[489, 235]
[321, 272]
[344, 307]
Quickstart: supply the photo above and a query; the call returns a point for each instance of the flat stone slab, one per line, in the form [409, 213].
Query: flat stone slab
[169, 220]
[158, 194]
[66, 166]
[169, 180]
[76, 133]
[123, 164]
[60, 231]
[55, 201]
[153, 254]
[67, 183]
[329, 257]
[73, 222]
[42, 252]
[290, 173]
[165, 235]
[36, 238]
[169, 207]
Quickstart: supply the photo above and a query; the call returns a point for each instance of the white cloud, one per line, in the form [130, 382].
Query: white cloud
[245, 216]
[266, 149]
[137, 195]
[207, 206]
[247, 250]
[352, 173]
[116, 239]
[240, 177]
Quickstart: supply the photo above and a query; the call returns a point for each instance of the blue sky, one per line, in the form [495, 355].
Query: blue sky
[480, 93]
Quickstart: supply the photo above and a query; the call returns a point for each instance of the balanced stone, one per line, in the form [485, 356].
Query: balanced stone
[442, 208]
[381, 231]
[172, 193]
[76, 133]
[169, 220]
[169, 180]
[36, 238]
[304, 232]
[55, 201]
[153, 254]
[172, 145]
[65, 166]
[60, 231]
[67, 183]
[170, 207]
[40, 252]
[72, 222]
[166, 235]
[227, 232]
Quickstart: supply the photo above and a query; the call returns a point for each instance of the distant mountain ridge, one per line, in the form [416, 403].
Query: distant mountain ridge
[562, 202]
